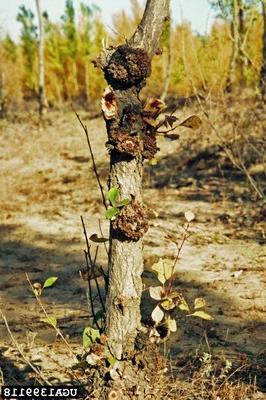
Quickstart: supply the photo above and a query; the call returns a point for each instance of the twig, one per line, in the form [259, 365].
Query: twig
[101, 231]
[90, 291]
[36, 370]
[96, 280]
[179, 248]
[91, 273]
[93, 159]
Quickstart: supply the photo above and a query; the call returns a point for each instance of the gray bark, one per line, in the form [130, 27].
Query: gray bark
[42, 94]
[125, 70]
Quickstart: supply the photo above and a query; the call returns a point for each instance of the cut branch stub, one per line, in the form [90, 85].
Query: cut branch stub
[127, 67]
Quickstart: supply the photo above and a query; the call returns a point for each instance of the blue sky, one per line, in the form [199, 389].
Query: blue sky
[196, 11]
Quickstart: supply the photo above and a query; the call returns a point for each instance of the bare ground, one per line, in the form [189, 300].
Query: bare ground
[46, 184]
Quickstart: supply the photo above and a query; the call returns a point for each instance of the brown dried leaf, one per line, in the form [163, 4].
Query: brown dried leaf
[154, 105]
[172, 136]
[193, 122]
[37, 289]
[108, 104]
[94, 238]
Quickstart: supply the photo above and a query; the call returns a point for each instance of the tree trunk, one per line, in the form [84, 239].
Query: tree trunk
[263, 67]
[129, 141]
[42, 95]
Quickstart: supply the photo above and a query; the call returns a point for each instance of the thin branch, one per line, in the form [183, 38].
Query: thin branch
[90, 291]
[101, 231]
[93, 159]
[91, 273]
[96, 280]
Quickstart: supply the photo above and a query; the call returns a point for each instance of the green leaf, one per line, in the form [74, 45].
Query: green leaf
[112, 195]
[96, 239]
[99, 315]
[111, 213]
[112, 360]
[202, 315]
[50, 321]
[50, 281]
[123, 203]
[90, 335]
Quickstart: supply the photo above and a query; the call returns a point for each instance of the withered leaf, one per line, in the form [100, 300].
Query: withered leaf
[202, 315]
[170, 119]
[173, 136]
[94, 238]
[192, 122]
[157, 314]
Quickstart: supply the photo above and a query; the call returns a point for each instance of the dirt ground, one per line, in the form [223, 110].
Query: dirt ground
[47, 183]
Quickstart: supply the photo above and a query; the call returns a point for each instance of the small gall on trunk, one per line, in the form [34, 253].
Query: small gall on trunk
[128, 67]
[131, 223]
[120, 141]
[149, 146]
[108, 104]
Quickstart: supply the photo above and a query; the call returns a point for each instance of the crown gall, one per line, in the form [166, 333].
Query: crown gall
[131, 223]
[128, 66]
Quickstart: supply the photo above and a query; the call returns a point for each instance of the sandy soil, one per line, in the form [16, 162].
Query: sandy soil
[47, 183]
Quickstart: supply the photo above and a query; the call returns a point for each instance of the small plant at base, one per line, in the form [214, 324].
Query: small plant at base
[37, 289]
[169, 299]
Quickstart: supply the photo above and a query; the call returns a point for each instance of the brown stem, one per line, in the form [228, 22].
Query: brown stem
[93, 159]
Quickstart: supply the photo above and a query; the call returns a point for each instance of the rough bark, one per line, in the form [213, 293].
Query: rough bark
[129, 141]
[263, 67]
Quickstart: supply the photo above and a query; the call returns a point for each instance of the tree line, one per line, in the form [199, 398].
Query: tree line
[231, 55]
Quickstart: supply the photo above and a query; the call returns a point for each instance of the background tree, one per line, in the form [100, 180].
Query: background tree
[85, 44]
[42, 92]
[263, 66]
[29, 47]
[167, 45]
[71, 45]
[126, 69]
